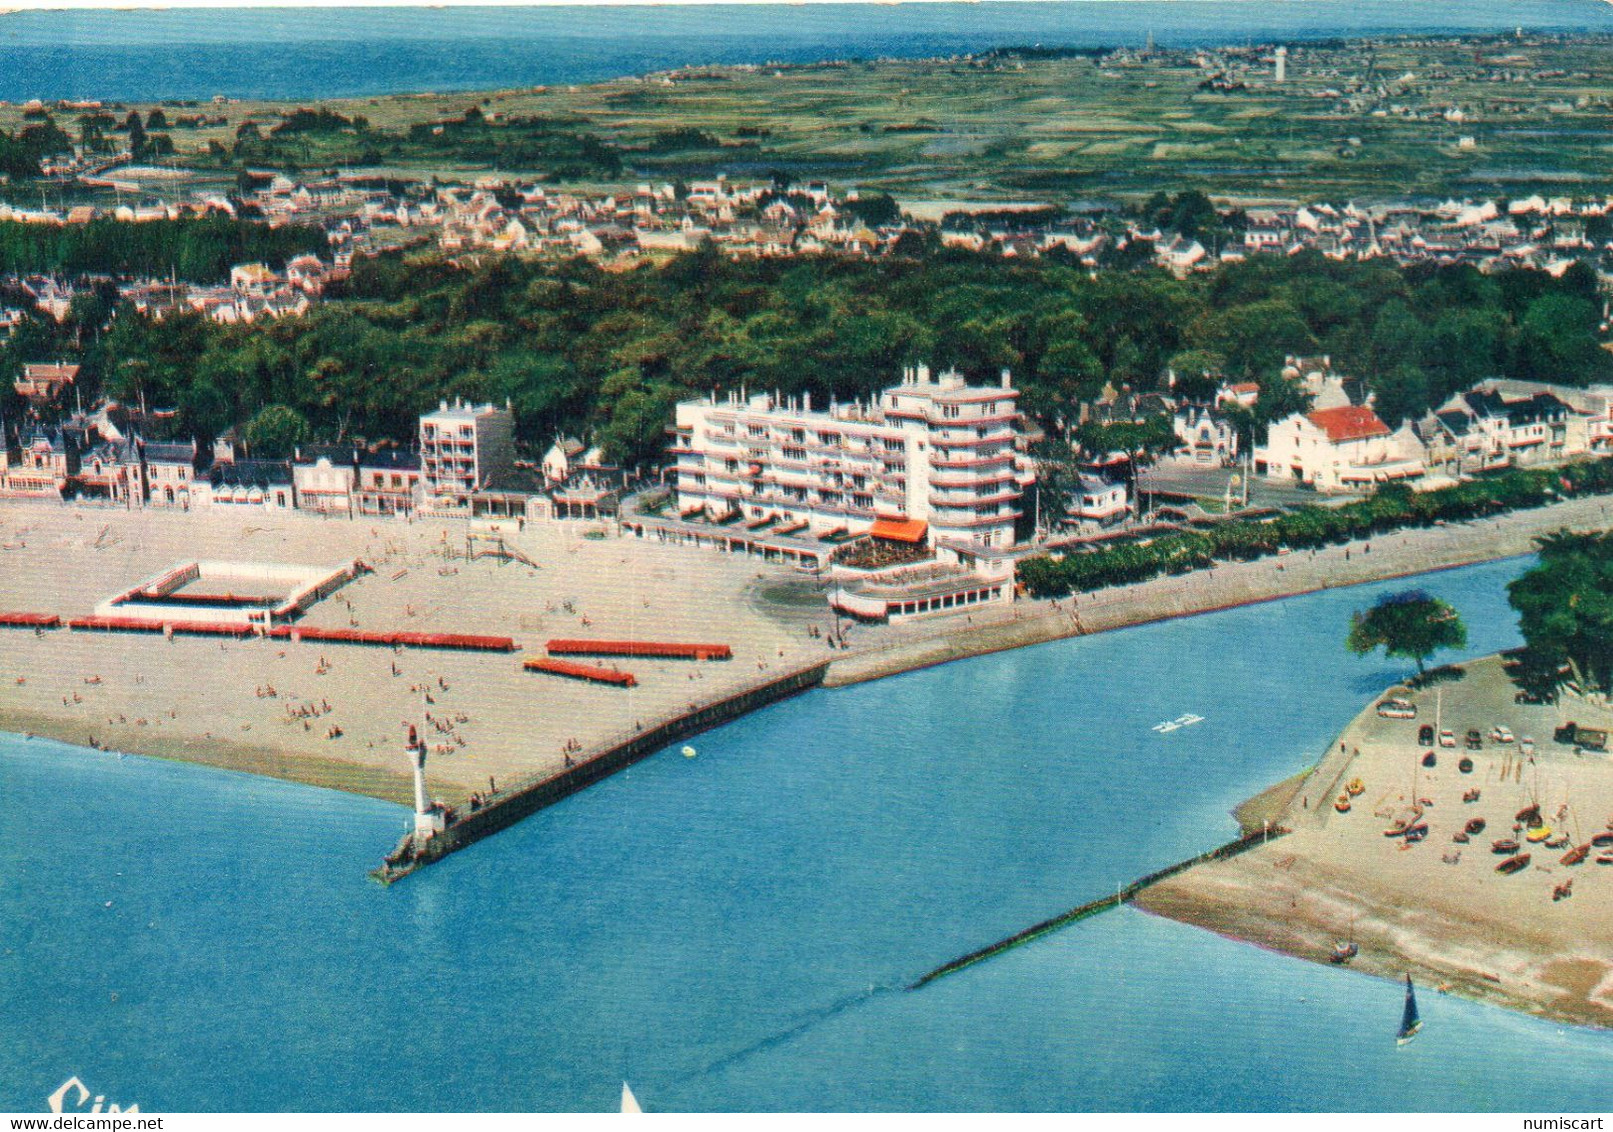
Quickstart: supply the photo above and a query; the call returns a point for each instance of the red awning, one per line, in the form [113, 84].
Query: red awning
[900, 530]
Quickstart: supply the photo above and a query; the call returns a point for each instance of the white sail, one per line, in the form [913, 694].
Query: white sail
[629, 1101]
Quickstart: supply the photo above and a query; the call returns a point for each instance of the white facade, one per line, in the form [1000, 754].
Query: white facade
[461, 447]
[1208, 438]
[1100, 501]
[935, 450]
[324, 486]
[1341, 449]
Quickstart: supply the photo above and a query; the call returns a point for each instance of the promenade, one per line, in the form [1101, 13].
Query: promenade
[924, 643]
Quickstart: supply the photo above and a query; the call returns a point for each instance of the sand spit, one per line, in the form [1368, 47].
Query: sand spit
[1436, 908]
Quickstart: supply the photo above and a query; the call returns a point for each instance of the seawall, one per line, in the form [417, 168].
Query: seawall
[1092, 907]
[526, 798]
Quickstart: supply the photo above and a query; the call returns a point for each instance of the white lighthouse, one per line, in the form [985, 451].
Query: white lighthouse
[428, 819]
[1282, 65]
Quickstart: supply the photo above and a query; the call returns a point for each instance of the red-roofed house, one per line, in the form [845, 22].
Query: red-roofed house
[1347, 448]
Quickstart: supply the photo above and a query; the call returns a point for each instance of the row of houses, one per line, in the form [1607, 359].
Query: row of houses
[1497, 424]
[465, 464]
[254, 292]
[89, 457]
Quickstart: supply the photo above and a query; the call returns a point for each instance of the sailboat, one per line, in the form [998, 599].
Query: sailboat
[629, 1101]
[1410, 1023]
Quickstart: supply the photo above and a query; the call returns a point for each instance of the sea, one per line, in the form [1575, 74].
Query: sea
[334, 52]
[735, 931]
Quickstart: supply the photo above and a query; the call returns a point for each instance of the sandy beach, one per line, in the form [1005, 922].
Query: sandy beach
[1437, 908]
[269, 706]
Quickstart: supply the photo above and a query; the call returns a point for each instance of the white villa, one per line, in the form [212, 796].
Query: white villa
[1347, 448]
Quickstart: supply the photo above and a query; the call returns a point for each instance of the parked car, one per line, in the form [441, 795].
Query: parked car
[1425, 735]
[1475, 741]
[1526, 745]
[1499, 734]
[1447, 737]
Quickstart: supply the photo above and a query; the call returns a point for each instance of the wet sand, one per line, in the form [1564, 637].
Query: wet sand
[1437, 908]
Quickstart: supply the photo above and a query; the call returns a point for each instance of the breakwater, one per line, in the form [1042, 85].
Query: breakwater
[1093, 907]
[526, 798]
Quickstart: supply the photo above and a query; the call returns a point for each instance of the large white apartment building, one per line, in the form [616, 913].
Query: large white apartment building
[461, 447]
[933, 454]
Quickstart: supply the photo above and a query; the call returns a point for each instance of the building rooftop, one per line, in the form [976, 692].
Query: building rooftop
[1348, 422]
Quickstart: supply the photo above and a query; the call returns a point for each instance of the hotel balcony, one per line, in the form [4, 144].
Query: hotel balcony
[971, 499]
[975, 460]
[974, 479]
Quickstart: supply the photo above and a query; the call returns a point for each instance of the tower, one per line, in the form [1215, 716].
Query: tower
[428, 819]
[1282, 65]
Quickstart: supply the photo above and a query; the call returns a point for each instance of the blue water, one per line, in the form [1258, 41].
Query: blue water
[279, 53]
[727, 932]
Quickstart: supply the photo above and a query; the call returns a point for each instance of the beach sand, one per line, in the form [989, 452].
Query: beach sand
[1437, 909]
[207, 700]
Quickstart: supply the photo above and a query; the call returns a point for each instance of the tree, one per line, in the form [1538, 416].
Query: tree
[1058, 481]
[137, 133]
[275, 431]
[1411, 624]
[1565, 607]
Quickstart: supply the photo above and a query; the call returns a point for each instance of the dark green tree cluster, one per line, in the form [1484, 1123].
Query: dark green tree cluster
[199, 250]
[577, 346]
[1565, 610]
[21, 151]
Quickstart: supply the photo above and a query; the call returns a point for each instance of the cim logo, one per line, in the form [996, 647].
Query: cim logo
[80, 1095]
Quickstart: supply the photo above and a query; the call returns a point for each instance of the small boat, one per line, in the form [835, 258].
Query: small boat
[1460, 838]
[1563, 891]
[1416, 833]
[1603, 840]
[1343, 951]
[1471, 795]
[629, 1101]
[1604, 858]
[1538, 834]
[1410, 1022]
[1559, 840]
[1576, 856]
[1513, 864]
[1355, 788]
[1506, 845]
[1430, 759]
[1475, 825]
[1342, 804]
[1465, 766]
[1529, 815]
[689, 752]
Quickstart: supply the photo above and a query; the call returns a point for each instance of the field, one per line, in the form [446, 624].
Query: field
[1458, 117]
